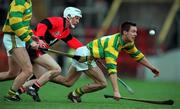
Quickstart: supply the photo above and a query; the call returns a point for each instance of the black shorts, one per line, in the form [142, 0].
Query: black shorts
[33, 54]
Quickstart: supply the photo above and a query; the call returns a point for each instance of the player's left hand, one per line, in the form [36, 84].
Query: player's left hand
[117, 96]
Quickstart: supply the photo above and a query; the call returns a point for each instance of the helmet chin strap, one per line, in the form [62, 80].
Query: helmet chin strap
[70, 21]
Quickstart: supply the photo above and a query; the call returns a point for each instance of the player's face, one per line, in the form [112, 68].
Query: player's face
[75, 20]
[131, 34]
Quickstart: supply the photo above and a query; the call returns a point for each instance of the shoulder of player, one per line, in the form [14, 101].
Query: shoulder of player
[55, 19]
[19, 2]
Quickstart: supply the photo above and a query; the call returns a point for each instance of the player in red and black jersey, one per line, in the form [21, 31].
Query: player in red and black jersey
[52, 29]
[48, 32]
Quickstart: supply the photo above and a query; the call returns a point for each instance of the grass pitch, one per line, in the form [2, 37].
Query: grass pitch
[55, 96]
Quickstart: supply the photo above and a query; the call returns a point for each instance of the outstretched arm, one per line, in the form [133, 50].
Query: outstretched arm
[114, 82]
[72, 41]
[139, 57]
[146, 63]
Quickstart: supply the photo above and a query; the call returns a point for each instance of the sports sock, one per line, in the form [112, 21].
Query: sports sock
[11, 92]
[78, 92]
[36, 86]
[21, 90]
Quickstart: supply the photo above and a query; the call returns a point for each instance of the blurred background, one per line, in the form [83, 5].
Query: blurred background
[158, 23]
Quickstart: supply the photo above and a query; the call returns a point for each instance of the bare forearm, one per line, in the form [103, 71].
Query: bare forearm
[113, 78]
[146, 63]
[114, 83]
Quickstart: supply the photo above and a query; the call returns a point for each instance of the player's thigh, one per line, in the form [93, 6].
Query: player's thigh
[21, 57]
[96, 74]
[47, 61]
[14, 68]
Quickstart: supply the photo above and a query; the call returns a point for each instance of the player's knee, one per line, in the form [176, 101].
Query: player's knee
[28, 71]
[55, 72]
[12, 76]
[58, 70]
[68, 84]
[103, 84]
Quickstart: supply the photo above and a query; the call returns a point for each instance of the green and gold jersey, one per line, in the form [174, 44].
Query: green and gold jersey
[108, 48]
[18, 20]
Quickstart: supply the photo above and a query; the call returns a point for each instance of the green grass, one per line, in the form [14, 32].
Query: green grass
[55, 96]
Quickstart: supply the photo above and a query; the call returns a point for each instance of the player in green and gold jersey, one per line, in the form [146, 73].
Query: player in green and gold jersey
[107, 48]
[17, 33]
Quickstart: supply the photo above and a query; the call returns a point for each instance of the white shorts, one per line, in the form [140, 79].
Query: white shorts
[83, 51]
[7, 40]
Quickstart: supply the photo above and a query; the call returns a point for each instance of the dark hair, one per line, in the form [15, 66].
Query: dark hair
[126, 26]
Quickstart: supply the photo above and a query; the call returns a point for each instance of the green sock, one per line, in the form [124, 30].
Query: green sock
[11, 92]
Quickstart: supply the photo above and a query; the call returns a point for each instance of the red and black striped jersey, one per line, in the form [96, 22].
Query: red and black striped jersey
[53, 29]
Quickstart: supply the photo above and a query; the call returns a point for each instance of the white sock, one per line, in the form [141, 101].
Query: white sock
[74, 93]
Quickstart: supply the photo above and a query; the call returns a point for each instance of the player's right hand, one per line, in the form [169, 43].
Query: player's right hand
[35, 38]
[43, 44]
[35, 45]
[117, 96]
